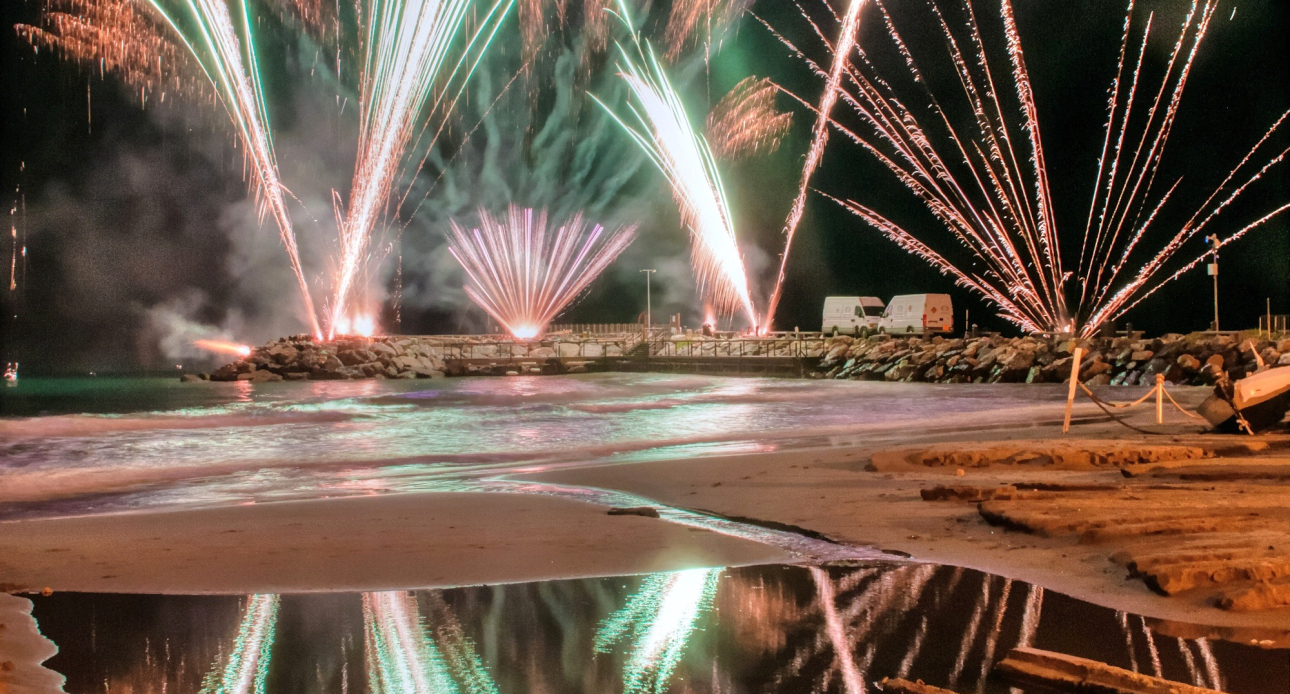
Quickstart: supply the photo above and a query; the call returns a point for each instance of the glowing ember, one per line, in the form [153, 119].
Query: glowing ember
[664, 132]
[995, 201]
[223, 347]
[408, 44]
[522, 274]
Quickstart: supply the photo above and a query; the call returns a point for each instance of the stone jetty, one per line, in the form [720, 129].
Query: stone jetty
[1193, 359]
[301, 357]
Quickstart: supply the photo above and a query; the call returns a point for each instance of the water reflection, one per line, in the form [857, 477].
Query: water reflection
[837, 628]
[657, 621]
[247, 665]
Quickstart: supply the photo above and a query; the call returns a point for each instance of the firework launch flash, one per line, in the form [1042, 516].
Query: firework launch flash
[223, 347]
[523, 274]
[664, 133]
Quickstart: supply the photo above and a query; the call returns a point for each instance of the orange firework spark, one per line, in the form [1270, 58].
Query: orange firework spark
[745, 123]
[696, 21]
[819, 138]
[117, 37]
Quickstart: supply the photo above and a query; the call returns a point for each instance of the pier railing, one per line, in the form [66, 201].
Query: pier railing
[801, 347]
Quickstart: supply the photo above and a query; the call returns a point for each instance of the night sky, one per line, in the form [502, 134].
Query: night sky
[128, 209]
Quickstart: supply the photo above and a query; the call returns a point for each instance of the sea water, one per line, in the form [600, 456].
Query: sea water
[82, 445]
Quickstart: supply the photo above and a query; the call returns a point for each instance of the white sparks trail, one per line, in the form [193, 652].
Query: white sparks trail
[248, 662]
[1000, 211]
[663, 131]
[523, 274]
[407, 45]
[819, 138]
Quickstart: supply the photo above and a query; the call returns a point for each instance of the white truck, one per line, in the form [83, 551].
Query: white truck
[855, 315]
[919, 314]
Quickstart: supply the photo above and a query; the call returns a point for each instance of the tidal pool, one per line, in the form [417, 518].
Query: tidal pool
[834, 628]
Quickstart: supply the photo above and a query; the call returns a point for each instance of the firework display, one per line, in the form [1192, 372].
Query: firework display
[121, 38]
[523, 273]
[663, 130]
[988, 184]
[973, 157]
[745, 123]
[819, 138]
[408, 45]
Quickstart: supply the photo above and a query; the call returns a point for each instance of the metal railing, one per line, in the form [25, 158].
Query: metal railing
[741, 348]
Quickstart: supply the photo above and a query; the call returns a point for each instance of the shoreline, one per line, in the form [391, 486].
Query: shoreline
[857, 485]
[300, 546]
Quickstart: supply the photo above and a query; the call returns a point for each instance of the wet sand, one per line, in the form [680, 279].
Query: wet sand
[831, 491]
[396, 541]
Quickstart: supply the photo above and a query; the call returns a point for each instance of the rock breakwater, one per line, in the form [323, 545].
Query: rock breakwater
[300, 357]
[1194, 359]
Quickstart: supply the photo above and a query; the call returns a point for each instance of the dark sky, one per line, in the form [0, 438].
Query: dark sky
[129, 209]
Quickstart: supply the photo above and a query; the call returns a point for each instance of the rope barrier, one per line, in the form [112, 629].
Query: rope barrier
[1158, 390]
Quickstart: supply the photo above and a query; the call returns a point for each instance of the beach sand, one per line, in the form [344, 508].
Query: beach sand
[397, 541]
[389, 542]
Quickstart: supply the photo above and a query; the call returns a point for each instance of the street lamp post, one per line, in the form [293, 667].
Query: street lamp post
[649, 316]
[1212, 269]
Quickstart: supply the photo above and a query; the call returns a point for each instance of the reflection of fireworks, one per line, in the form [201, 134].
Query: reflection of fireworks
[745, 123]
[407, 46]
[664, 132]
[404, 657]
[111, 33]
[401, 659]
[659, 619]
[994, 199]
[222, 347]
[523, 275]
[248, 662]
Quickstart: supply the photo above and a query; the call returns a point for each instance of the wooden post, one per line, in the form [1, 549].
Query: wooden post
[1160, 398]
[1070, 396]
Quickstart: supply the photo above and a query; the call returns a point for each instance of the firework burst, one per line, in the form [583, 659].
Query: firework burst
[663, 131]
[987, 183]
[745, 123]
[523, 274]
[408, 44]
[140, 46]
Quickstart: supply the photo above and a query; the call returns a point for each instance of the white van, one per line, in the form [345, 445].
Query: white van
[918, 313]
[851, 314]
